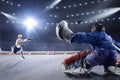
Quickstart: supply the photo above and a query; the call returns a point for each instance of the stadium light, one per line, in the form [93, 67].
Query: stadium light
[10, 17]
[55, 3]
[30, 23]
[105, 14]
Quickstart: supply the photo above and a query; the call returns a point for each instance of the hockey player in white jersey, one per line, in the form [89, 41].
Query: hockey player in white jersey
[18, 45]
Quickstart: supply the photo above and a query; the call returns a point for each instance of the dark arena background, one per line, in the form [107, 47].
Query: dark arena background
[37, 19]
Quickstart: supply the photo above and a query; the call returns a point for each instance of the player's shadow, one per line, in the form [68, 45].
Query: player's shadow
[77, 75]
[14, 65]
[93, 76]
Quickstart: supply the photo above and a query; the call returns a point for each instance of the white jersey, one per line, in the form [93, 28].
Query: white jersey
[20, 42]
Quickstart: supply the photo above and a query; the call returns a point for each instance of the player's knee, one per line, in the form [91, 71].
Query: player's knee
[87, 64]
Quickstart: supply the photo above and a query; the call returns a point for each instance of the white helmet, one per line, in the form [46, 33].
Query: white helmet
[20, 36]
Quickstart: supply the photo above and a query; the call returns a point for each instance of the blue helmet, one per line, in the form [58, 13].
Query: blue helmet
[99, 27]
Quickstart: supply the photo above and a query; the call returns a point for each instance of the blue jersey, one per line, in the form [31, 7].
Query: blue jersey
[99, 40]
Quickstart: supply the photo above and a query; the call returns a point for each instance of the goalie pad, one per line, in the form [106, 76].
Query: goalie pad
[75, 57]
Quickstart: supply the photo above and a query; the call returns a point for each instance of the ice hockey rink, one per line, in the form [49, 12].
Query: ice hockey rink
[43, 67]
[37, 22]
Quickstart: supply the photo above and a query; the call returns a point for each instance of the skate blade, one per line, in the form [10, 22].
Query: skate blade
[23, 59]
[115, 70]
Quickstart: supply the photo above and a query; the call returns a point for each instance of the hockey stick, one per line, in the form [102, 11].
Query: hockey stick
[116, 47]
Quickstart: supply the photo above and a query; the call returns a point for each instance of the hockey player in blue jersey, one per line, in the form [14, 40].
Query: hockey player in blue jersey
[105, 48]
